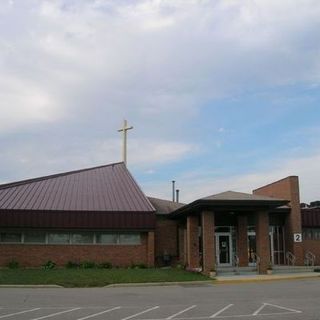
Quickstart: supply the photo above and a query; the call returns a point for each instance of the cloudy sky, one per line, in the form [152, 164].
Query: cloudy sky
[222, 94]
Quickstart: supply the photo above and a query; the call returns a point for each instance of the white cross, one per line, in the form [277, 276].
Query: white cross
[124, 129]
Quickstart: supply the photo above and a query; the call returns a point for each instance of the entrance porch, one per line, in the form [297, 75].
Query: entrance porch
[233, 229]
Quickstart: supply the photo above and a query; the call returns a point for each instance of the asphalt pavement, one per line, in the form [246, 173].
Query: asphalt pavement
[294, 299]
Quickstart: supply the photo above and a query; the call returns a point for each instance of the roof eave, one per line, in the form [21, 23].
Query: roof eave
[228, 204]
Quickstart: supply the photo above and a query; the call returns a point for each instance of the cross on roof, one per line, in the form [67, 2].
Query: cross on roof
[124, 129]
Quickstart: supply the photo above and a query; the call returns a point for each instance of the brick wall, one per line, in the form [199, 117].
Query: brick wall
[208, 238]
[166, 239]
[314, 247]
[288, 188]
[193, 242]
[36, 255]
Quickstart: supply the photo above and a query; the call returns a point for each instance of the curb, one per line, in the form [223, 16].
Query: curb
[34, 286]
[157, 284]
[227, 280]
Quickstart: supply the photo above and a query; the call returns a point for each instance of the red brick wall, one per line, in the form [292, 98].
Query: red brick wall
[314, 247]
[262, 240]
[208, 238]
[288, 188]
[242, 240]
[36, 255]
[166, 239]
[150, 249]
[193, 242]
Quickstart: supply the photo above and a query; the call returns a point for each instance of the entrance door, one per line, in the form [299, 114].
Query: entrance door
[223, 249]
[252, 248]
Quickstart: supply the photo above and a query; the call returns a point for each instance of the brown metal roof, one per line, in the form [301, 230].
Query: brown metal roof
[238, 196]
[105, 188]
[165, 206]
[310, 218]
[230, 200]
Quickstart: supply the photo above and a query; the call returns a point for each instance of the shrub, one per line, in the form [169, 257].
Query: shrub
[49, 265]
[87, 265]
[13, 264]
[105, 265]
[138, 266]
[72, 265]
[316, 270]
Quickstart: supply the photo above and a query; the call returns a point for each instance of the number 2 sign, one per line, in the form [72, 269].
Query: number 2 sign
[297, 237]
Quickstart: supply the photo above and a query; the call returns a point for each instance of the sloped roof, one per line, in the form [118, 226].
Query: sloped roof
[165, 206]
[104, 188]
[230, 200]
[238, 196]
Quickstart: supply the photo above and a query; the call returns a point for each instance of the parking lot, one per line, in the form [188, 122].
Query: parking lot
[273, 300]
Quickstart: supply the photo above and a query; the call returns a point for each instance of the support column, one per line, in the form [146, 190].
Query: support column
[262, 240]
[181, 248]
[208, 248]
[242, 240]
[150, 249]
[192, 242]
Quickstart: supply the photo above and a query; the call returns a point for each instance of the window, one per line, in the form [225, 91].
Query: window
[130, 238]
[311, 233]
[58, 238]
[11, 237]
[107, 238]
[69, 237]
[34, 237]
[316, 234]
[82, 237]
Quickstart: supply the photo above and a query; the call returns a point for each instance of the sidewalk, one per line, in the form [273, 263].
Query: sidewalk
[265, 277]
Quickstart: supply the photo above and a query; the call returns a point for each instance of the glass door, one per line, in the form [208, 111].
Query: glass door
[252, 249]
[224, 249]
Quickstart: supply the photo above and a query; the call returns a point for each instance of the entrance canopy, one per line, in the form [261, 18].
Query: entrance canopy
[231, 201]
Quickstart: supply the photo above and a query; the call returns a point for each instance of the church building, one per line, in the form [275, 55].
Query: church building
[101, 215]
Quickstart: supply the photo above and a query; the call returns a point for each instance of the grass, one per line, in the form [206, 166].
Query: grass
[93, 277]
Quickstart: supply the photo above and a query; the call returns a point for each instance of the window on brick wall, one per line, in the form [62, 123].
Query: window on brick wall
[34, 237]
[11, 237]
[69, 237]
[58, 238]
[311, 233]
[82, 237]
[107, 238]
[129, 238]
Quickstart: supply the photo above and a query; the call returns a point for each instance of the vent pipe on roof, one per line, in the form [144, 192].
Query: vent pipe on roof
[173, 190]
[177, 195]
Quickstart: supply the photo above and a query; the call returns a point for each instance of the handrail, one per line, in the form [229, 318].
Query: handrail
[236, 260]
[290, 258]
[310, 258]
[256, 259]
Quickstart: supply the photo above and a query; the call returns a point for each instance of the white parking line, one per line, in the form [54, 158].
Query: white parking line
[16, 313]
[142, 312]
[56, 314]
[258, 310]
[182, 311]
[284, 308]
[221, 310]
[98, 314]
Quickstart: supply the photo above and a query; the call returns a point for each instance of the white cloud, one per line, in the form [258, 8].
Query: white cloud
[150, 56]
[28, 160]
[79, 67]
[198, 185]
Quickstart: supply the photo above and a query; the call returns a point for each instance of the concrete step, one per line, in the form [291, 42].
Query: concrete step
[230, 271]
[293, 269]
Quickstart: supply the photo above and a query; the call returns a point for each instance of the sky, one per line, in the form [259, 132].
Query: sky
[223, 95]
